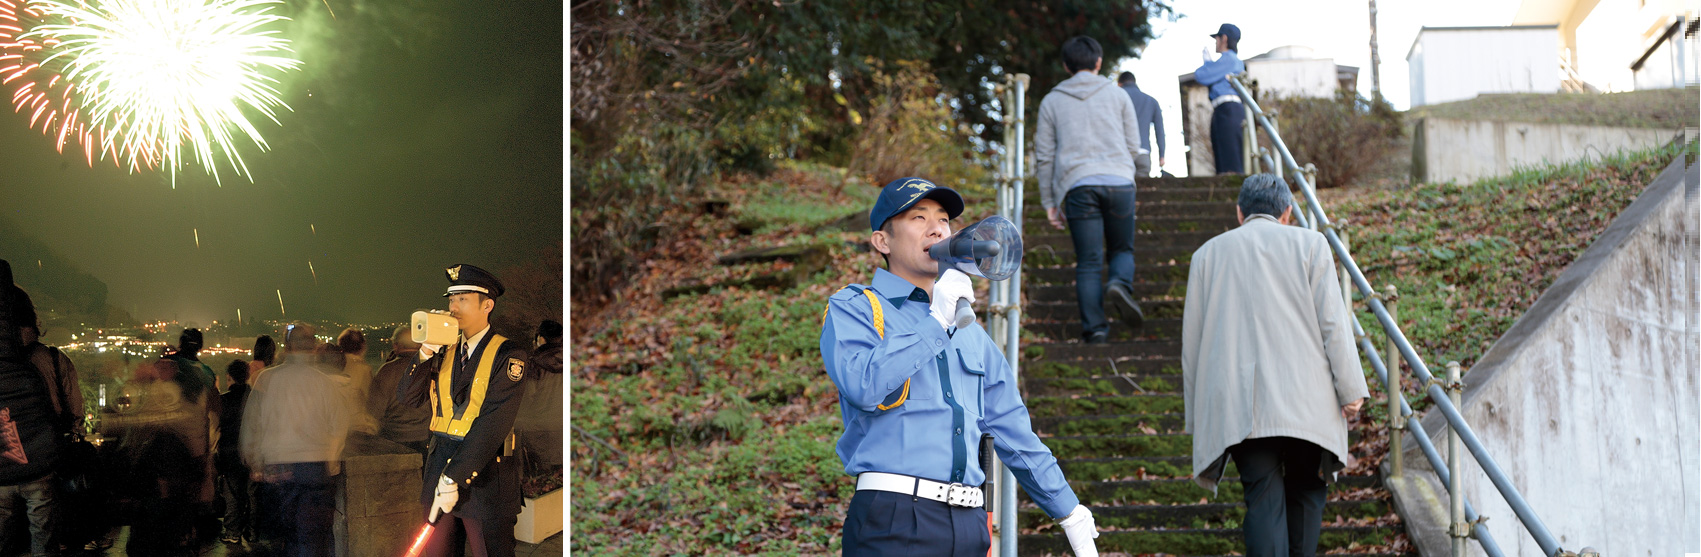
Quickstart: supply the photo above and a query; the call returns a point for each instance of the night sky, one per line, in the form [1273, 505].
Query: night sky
[424, 133]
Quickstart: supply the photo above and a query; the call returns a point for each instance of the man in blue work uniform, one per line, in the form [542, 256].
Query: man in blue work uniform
[915, 394]
[1227, 115]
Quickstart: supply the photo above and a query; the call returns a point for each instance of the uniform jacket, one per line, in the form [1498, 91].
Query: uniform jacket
[1266, 348]
[1214, 74]
[489, 482]
[915, 398]
[1087, 127]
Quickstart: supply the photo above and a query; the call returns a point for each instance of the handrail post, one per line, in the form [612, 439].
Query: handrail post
[1396, 394]
[1007, 527]
[1249, 139]
[1346, 279]
[1458, 528]
[1310, 174]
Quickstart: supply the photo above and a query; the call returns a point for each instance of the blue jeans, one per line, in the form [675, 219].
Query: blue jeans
[1101, 220]
[300, 509]
[36, 498]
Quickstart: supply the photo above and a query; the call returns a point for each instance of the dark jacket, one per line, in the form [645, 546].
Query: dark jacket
[1148, 114]
[29, 442]
[60, 376]
[489, 483]
[230, 419]
[402, 423]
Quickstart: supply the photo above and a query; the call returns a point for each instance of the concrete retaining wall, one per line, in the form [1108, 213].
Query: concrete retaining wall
[1466, 150]
[1589, 402]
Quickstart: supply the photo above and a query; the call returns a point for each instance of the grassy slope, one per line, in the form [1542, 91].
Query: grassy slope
[719, 424]
[1468, 260]
[718, 418]
[1660, 108]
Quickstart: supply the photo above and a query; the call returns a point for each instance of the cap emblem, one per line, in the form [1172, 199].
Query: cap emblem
[921, 187]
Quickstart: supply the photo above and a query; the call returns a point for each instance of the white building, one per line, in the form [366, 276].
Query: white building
[1673, 60]
[1295, 71]
[1458, 63]
[1621, 45]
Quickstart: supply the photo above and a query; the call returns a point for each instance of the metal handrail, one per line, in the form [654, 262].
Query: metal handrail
[1006, 304]
[1437, 393]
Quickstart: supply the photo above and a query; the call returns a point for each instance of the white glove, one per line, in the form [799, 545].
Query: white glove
[1206, 55]
[426, 351]
[447, 496]
[946, 291]
[1078, 526]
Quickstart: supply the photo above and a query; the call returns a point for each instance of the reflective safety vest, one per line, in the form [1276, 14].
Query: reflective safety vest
[454, 421]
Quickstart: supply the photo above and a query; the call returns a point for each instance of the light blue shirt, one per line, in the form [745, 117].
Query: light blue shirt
[1214, 74]
[960, 386]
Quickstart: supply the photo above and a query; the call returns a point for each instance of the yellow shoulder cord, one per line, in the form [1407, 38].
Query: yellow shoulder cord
[879, 329]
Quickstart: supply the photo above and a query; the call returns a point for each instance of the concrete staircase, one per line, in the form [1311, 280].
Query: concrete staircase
[1113, 413]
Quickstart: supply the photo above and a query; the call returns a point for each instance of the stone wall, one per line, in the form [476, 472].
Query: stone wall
[378, 508]
[1589, 402]
[1467, 150]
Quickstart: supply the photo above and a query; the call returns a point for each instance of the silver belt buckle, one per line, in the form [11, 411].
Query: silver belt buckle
[959, 495]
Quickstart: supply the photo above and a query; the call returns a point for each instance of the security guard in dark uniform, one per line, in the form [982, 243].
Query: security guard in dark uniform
[472, 474]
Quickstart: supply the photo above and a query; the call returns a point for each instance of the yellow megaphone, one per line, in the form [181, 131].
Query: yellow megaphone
[435, 327]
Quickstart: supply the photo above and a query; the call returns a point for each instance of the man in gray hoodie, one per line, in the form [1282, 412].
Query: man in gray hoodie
[1084, 151]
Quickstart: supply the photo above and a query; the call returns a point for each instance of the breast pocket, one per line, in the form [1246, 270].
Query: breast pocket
[972, 382]
[920, 385]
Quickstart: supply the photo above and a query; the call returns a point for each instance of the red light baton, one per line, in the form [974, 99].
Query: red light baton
[419, 541]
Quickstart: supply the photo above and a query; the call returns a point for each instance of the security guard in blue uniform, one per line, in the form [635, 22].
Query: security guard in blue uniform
[915, 394]
[472, 474]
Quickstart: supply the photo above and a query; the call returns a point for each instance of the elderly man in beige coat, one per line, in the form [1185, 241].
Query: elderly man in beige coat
[1270, 372]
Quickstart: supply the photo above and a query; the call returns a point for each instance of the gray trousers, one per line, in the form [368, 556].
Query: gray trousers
[1143, 166]
[37, 498]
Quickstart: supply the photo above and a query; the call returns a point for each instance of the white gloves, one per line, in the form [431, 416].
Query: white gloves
[946, 291]
[1206, 54]
[447, 495]
[1078, 526]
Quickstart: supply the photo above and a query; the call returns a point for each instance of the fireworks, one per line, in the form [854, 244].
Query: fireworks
[146, 83]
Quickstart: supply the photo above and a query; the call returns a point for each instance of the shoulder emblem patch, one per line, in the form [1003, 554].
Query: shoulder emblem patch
[516, 369]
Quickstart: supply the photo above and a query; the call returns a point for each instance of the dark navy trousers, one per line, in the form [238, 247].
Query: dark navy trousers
[1228, 128]
[1284, 495]
[886, 523]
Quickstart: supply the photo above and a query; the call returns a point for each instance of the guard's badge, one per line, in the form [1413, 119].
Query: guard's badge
[454, 272]
[516, 369]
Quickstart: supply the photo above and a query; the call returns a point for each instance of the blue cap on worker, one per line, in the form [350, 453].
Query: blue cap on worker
[467, 278]
[900, 194]
[1230, 30]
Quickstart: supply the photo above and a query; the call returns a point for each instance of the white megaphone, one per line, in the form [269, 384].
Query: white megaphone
[990, 249]
[435, 326]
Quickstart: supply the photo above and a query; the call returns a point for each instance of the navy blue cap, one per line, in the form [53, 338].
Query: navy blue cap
[900, 194]
[1230, 30]
[467, 278]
